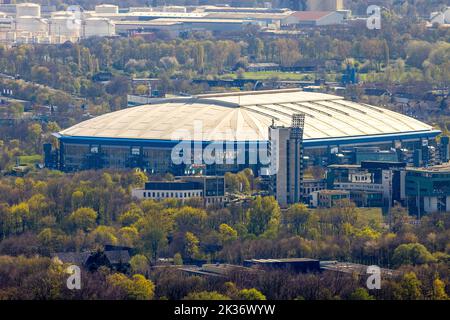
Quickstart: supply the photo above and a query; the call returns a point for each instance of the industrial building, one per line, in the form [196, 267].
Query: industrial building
[33, 23]
[298, 265]
[294, 265]
[27, 24]
[314, 18]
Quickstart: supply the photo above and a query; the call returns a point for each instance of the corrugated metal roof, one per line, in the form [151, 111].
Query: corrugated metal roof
[246, 117]
[248, 15]
[310, 15]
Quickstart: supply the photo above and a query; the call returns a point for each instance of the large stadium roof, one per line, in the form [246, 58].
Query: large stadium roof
[246, 116]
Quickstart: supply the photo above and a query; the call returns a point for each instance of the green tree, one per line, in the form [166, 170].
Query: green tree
[153, 232]
[410, 288]
[139, 178]
[131, 216]
[83, 218]
[139, 264]
[21, 216]
[177, 259]
[250, 294]
[361, 294]
[206, 295]
[439, 289]
[412, 254]
[104, 235]
[191, 245]
[297, 218]
[227, 233]
[264, 214]
[128, 236]
[77, 199]
[417, 52]
[35, 135]
[190, 219]
[136, 288]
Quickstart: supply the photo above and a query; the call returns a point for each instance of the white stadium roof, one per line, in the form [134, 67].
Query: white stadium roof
[246, 116]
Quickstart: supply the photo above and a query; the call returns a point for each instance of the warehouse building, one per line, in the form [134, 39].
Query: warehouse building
[314, 18]
[229, 132]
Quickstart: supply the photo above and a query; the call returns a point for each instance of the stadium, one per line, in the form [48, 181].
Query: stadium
[144, 136]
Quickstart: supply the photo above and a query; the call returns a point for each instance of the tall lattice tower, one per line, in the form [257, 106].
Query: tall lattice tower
[298, 126]
[296, 157]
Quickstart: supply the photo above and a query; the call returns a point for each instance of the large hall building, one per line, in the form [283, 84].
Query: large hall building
[146, 136]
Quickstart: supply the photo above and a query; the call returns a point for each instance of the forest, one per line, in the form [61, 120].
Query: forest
[45, 212]
[48, 212]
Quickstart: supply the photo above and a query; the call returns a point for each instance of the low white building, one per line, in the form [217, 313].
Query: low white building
[31, 24]
[210, 189]
[314, 18]
[440, 17]
[169, 190]
[65, 26]
[28, 10]
[106, 9]
[100, 27]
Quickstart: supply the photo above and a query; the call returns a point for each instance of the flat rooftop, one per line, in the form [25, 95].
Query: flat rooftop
[284, 260]
[148, 14]
[334, 192]
[344, 166]
[354, 268]
[156, 22]
[248, 15]
[443, 168]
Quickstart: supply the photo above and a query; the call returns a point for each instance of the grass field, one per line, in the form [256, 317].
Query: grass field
[30, 160]
[370, 214]
[266, 75]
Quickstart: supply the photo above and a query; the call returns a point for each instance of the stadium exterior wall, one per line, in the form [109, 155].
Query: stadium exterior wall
[155, 154]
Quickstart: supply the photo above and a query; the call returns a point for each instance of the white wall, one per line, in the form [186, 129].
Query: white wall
[331, 19]
[430, 204]
[166, 194]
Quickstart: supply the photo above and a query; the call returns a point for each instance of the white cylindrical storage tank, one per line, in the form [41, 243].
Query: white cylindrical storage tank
[55, 14]
[65, 26]
[31, 24]
[101, 27]
[106, 9]
[6, 22]
[28, 10]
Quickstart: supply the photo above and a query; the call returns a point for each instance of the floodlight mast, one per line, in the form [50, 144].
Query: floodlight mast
[298, 126]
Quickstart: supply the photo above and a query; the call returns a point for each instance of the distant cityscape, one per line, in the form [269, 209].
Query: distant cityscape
[225, 150]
